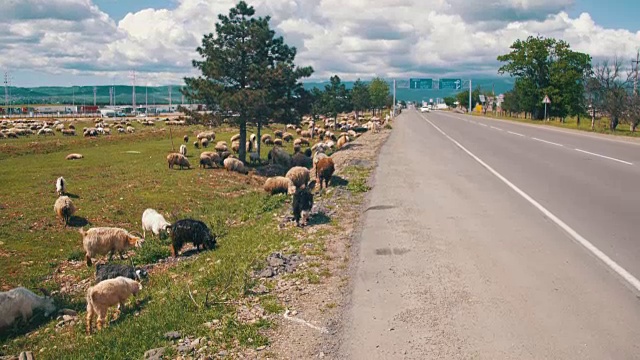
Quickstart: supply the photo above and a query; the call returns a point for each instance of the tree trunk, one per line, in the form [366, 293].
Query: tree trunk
[578, 121]
[593, 119]
[633, 126]
[242, 153]
[613, 123]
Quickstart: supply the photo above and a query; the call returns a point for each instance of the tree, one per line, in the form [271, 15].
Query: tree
[379, 93]
[450, 101]
[545, 66]
[360, 96]
[335, 98]
[463, 98]
[611, 90]
[240, 65]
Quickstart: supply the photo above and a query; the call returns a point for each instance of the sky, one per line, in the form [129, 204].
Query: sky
[99, 42]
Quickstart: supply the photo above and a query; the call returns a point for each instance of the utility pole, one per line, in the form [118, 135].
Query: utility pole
[169, 98]
[6, 91]
[133, 94]
[146, 99]
[95, 92]
[470, 105]
[635, 82]
[394, 99]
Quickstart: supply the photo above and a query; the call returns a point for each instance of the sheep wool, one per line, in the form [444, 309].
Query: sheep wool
[153, 221]
[279, 185]
[232, 164]
[324, 171]
[299, 175]
[107, 240]
[279, 156]
[64, 209]
[183, 150]
[178, 159]
[21, 302]
[60, 186]
[74, 156]
[106, 294]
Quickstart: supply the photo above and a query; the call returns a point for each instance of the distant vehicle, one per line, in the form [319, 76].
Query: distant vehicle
[142, 115]
[425, 109]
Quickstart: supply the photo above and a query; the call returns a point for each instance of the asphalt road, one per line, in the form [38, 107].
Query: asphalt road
[497, 242]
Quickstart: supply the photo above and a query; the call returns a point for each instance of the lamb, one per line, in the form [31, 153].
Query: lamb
[300, 159]
[279, 156]
[235, 138]
[299, 175]
[324, 171]
[302, 205]
[22, 302]
[194, 231]
[221, 146]
[279, 185]
[178, 159]
[107, 240]
[74, 156]
[60, 186]
[232, 164]
[112, 271]
[154, 222]
[64, 209]
[106, 294]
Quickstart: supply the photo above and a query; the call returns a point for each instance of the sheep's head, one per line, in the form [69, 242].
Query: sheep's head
[136, 241]
[209, 240]
[141, 274]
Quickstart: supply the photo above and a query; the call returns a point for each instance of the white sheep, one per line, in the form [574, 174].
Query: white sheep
[61, 186]
[107, 240]
[108, 293]
[279, 185]
[154, 222]
[300, 176]
[64, 209]
[183, 150]
[22, 302]
[232, 164]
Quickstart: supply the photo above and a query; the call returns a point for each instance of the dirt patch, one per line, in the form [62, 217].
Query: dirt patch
[312, 304]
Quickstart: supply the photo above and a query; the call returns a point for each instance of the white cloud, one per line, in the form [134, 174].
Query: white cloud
[356, 38]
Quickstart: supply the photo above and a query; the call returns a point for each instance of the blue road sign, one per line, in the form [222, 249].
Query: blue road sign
[451, 84]
[421, 83]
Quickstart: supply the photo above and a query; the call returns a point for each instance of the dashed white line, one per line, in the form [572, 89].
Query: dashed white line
[548, 142]
[496, 128]
[604, 157]
[481, 124]
[630, 279]
[515, 133]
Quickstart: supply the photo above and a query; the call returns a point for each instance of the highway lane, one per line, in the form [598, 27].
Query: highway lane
[593, 195]
[452, 263]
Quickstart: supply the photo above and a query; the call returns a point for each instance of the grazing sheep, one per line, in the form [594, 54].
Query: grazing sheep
[107, 240]
[279, 185]
[298, 131]
[299, 175]
[206, 161]
[235, 137]
[232, 164]
[186, 138]
[193, 231]
[278, 134]
[296, 149]
[21, 302]
[112, 271]
[301, 142]
[61, 186]
[352, 133]
[302, 205]
[300, 159]
[291, 127]
[224, 155]
[306, 134]
[278, 142]
[210, 135]
[108, 293]
[64, 209]
[287, 137]
[253, 137]
[204, 142]
[131, 129]
[279, 156]
[120, 130]
[324, 171]
[74, 157]
[154, 222]
[196, 144]
[342, 141]
[183, 150]
[178, 159]
[215, 157]
[266, 138]
[254, 157]
[235, 146]
[69, 132]
[72, 127]
[46, 131]
[318, 156]
[221, 146]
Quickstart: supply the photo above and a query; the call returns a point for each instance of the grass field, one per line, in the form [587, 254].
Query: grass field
[120, 176]
[601, 124]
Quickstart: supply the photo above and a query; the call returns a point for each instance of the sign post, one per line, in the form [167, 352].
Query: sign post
[546, 101]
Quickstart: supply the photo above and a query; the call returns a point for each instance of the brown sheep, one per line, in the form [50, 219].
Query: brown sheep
[287, 137]
[108, 293]
[178, 159]
[324, 171]
[279, 185]
[278, 134]
[235, 137]
[278, 142]
[107, 240]
[232, 164]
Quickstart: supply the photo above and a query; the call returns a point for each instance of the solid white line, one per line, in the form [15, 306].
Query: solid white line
[548, 142]
[604, 157]
[481, 124]
[515, 133]
[495, 128]
[630, 279]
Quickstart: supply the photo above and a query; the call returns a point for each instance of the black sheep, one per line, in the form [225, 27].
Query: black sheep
[193, 231]
[112, 271]
[302, 204]
[307, 153]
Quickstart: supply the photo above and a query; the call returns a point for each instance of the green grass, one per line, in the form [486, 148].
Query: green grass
[113, 188]
[358, 177]
[601, 124]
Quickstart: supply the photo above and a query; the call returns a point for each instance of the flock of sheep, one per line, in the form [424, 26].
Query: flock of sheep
[117, 282]
[26, 127]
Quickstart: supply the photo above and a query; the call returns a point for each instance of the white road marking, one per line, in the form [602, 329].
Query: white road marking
[515, 133]
[604, 157]
[630, 279]
[495, 128]
[481, 124]
[548, 142]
